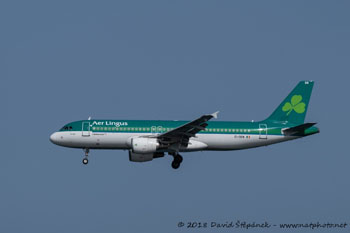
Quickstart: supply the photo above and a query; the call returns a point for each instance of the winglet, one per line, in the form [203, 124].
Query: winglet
[215, 114]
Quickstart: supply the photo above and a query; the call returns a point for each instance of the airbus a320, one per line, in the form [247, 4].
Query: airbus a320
[146, 140]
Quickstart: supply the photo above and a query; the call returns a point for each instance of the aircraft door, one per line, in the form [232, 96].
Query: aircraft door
[86, 129]
[262, 131]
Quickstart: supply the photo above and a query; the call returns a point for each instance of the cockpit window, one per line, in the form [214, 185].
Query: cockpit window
[67, 128]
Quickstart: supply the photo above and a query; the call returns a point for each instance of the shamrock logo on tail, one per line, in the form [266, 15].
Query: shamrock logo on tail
[296, 105]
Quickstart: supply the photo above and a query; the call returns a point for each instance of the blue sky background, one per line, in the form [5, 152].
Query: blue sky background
[63, 61]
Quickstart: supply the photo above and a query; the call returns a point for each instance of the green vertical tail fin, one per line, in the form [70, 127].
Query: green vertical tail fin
[294, 107]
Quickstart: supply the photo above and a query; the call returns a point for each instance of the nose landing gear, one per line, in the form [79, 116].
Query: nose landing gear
[85, 160]
[177, 161]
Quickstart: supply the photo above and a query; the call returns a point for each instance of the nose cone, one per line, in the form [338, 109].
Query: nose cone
[54, 138]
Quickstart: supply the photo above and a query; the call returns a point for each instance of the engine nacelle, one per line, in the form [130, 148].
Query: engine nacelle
[134, 157]
[144, 145]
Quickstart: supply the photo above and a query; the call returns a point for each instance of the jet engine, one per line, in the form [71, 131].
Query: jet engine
[144, 145]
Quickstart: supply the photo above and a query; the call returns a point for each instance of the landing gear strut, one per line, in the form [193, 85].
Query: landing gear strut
[85, 160]
[177, 161]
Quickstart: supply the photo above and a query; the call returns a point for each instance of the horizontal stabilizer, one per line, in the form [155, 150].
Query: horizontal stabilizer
[297, 129]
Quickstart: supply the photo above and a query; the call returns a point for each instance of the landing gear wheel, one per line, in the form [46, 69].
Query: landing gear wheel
[178, 159]
[85, 161]
[175, 165]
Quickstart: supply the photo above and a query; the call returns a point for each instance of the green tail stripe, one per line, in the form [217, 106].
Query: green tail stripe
[294, 107]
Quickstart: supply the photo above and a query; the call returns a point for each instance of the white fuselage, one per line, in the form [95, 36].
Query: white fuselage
[105, 140]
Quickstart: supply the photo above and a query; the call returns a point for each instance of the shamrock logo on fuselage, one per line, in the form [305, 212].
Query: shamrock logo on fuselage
[296, 105]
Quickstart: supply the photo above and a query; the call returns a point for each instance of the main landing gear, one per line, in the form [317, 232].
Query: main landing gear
[177, 161]
[85, 160]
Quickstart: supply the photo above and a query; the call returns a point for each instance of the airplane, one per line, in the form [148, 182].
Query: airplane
[146, 140]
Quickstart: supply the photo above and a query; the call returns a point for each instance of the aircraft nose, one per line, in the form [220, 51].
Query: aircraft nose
[53, 138]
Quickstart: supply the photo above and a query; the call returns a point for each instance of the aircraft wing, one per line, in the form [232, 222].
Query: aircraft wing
[181, 135]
